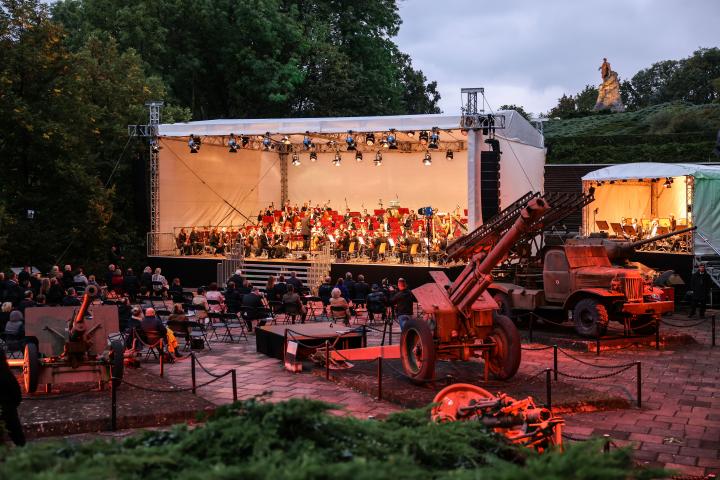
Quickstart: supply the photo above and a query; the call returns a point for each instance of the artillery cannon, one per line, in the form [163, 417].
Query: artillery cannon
[462, 319]
[71, 350]
[620, 250]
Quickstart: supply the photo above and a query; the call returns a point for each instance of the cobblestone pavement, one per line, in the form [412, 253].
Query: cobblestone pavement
[678, 425]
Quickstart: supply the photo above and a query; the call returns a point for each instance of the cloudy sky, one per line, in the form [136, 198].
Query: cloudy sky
[530, 52]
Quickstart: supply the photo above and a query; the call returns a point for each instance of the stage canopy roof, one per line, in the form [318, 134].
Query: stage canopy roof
[516, 127]
[628, 171]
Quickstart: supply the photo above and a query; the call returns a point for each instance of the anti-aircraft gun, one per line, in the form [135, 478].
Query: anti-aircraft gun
[70, 344]
[463, 319]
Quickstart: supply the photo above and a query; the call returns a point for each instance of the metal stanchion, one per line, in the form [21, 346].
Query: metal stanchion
[113, 404]
[597, 343]
[639, 384]
[530, 325]
[606, 443]
[192, 373]
[327, 360]
[712, 321]
[379, 376]
[555, 367]
[657, 333]
[161, 353]
[548, 388]
[233, 376]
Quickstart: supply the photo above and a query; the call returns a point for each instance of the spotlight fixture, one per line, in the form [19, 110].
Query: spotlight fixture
[194, 143]
[285, 140]
[423, 137]
[427, 160]
[313, 156]
[154, 146]
[267, 141]
[358, 156]
[392, 140]
[307, 141]
[378, 159]
[370, 139]
[245, 141]
[384, 142]
[350, 141]
[434, 138]
[411, 134]
[295, 159]
[336, 161]
[449, 155]
[232, 144]
[668, 182]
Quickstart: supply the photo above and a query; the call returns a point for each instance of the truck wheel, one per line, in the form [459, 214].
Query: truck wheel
[417, 350]
[590, 317]
[503, 302]
[31, 367]
[117, 361]
[504, 359]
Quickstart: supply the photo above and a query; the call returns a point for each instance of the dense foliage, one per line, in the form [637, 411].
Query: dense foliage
[71, 81]
[299, 440]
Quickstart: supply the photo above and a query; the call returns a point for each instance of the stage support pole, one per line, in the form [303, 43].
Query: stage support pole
[474, 180]
[284, 195]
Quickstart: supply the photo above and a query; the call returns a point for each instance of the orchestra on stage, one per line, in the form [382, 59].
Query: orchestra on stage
[276, 233]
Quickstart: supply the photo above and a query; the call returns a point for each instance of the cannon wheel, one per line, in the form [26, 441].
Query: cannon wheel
[31, 367]
[504, 358]
[503, 302]
[590, 317]
[417, 350]
[117, 360]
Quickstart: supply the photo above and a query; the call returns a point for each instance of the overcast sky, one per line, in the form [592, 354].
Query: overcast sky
[530, 52]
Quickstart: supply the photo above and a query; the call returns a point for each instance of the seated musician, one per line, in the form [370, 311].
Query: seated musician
[263, 243]
[214, 240]
[181, 242]
[196, 244]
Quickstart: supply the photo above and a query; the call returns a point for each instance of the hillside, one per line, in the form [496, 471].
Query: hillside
[669, 132]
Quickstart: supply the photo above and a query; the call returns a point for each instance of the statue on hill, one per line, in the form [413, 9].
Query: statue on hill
[609, 90]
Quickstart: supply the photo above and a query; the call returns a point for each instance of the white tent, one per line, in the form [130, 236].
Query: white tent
[689, 192]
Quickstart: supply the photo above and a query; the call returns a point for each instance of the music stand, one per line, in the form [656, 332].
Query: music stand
[661, 230]
[629, 230]
[602, 225]
[617, 229]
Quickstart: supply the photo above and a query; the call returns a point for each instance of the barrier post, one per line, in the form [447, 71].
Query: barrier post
[233, 376]
[379, 377]
[606, 443]
[657, 333]
[113, 404]
[530, 325]
[712, 321]
[548, 388]
[390, 327]
[192, 373]
[327, 360]
[161, 353]
[597, 342]
[555, 367]
[639, 384]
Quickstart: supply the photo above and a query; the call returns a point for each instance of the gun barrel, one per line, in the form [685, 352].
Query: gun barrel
[661, 237]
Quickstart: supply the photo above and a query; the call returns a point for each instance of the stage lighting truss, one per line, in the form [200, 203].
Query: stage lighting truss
[427, 159]
[194, 143]
[337, 160]
[378, 159]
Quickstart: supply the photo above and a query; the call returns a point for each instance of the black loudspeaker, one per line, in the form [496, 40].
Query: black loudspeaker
[489, 184]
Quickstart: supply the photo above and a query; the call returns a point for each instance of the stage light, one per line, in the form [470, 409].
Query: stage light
[313, 156]
[668, 183]
[384, 142]
[232, 144]
[307, 142]
[378, 159]
[194, 143]
[392, 140]
[427, 160]
[285, 140]
[245, 140]
[494, 144]
[350, 141]
[434, 138]
[612, 182]
[295, 159]
[337, 159]
[423, 137]
[449, 155]
[411, 134]
[370, 139]
[155, 146]
[358, 156]
[267, 142]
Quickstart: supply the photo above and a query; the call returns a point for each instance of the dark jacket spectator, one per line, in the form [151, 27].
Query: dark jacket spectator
[68, 279]
[5, 314]
[253, 302]
[349, 285]
[233, 298]
[279, 289]
[340, 285]
[10, 398]
[237, 278]
[131, 283]
[376, 303]
[403, 301]
[56, 293]
[71, 299]
[152, 325]
[362, 289]
[13, 292]
[325, 291]
[295, 282]
[26, 302]
[146, 279]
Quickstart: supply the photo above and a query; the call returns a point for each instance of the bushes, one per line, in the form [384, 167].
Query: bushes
[299, 440]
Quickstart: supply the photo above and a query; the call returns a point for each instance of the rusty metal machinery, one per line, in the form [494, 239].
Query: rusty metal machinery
[71, 350]
[520, 421]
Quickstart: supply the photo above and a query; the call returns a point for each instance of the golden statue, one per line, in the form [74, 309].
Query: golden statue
[605, 69]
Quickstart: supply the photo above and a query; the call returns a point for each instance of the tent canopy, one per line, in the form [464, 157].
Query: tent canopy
[516, 127]
[627, 171]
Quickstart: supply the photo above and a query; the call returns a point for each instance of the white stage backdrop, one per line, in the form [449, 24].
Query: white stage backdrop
[193, 186]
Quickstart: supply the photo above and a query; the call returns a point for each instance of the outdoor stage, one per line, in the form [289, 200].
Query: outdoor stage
[197, 271]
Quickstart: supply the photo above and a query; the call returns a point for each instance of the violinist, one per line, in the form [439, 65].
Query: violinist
[181, 242]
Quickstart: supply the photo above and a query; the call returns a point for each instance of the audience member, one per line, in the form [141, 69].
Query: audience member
[10, 398]
[159, 282]
[55, 292]
[214, 295]
[295, 282]
[279, 289]
[253, 308]
[237, 278]
[71, 299]
[16, 324]
[349, 284]
[292, 299]
[361, 289]
[337, 301]
[5, 310]
[67, 278]
[26, 302]
[376, 303]
[403, 300]
[154, 329]
[200, 301]
[80, 278]
[131, 284]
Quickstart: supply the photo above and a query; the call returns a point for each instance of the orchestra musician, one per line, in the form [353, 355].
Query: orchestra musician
[181, 242]
[195, 241]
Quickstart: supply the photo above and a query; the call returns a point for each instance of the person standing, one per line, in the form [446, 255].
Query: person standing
[700, 283]
[10, 398]
[403, 301]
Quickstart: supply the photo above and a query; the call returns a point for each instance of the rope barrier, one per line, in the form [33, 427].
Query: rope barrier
[597, 377]
[172, 390]
[592, 364]
[60, 395]
[665, 322]
[531, 349]
[202, 367]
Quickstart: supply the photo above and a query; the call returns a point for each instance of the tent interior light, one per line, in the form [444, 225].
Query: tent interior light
[423, 137]
[358, 156]
[370, 139]
[449, 155]
[378, 159]
[434, 138]
[337, 159]
[313, 156]
[295, 159]
[232, 144]
[427, 160]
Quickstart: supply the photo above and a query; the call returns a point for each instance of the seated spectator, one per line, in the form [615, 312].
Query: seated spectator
[133, 324]
[376, 303]
[293, 299]
[337, 301]
[245, 288]
[200, 301]
[71, 299]
[154, 329]
[124, 313]
[340, 285]
[361, 289]
[40, 301]
[233, 298]
[237, 278]
[93, 282]
[10, 398]
[26, 302]
[16, 324]
[254, 308]
[215, 295]
[177, 322]
[279, 289]
[146, 279]
[13, 292]
[295, 282]
[80, 277]
[55, 293]
[176, 290]
[117, 282]
[325, 291]
[5, 310]
[67, 277]
[131, 284]
[159, 282]
[269, 286]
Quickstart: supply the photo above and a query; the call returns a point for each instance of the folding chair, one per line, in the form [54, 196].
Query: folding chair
[276, 308]
[291, 310]
[181, 329]
[233, 321]
[310, 305]
[217, 322]
[339, 313]
[358, 306]
[198, 330]
[152, 343]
